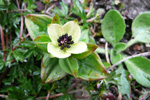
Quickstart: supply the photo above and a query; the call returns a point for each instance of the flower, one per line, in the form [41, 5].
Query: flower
[65, 40]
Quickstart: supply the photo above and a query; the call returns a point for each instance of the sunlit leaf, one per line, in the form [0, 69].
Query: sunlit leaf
[42, 42]
[37, 24]
[18, 55]
[113, 27]
[123, 86]
[69, 65]
[91, 68]
[140, 70]
[51, 70]
[56, 19]
[120, 47]
[141, 28]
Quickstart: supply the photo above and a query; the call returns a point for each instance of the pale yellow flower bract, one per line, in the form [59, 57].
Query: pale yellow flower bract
[72, 29]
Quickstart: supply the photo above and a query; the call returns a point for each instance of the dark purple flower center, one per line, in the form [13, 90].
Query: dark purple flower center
[65, 41]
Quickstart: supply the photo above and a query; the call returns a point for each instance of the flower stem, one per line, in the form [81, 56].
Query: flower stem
[3, 43]
[21, 27]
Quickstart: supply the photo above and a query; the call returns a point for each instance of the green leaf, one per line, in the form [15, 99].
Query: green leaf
[2, 63]
[1, 55]
[91, 49]
[50, 69]
[8, 59]
[106, 64]
[91, 68]
[2, 2]
[66, 97]
[61, 12]
[85, 36]
[141, 28]
[42, 42]
[18, 55]
[37, 24]
[114, 57]
[101, 50]
[77, 9]
[139, 67]
[69, 65]
[123, 86]
[91, 40]
[64, 8]
[27, 44]
[113, 27]
[120, 47]
[56, 19]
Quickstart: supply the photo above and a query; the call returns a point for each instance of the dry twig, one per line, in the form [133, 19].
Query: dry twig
[106, 52]
[60, 94]
[133, 56]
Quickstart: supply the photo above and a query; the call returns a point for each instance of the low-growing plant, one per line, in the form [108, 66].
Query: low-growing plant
[61, 53]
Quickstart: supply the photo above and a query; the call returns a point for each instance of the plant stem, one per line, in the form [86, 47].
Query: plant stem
[93, 32]
[1, 95]
[106, 52]
[60, 94]
[130, 89]
[48, 95]
[83, 97]
[142, 98]
[51, 7]
[18, 4]
[88, 20]
[21, 27]
[27, 35]
[131, 42]
[133, 56]
[6, 41]
[74, 84]
[19, 42]
[7, 68]
[3, 43]
[11, 41]
[45, 8]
